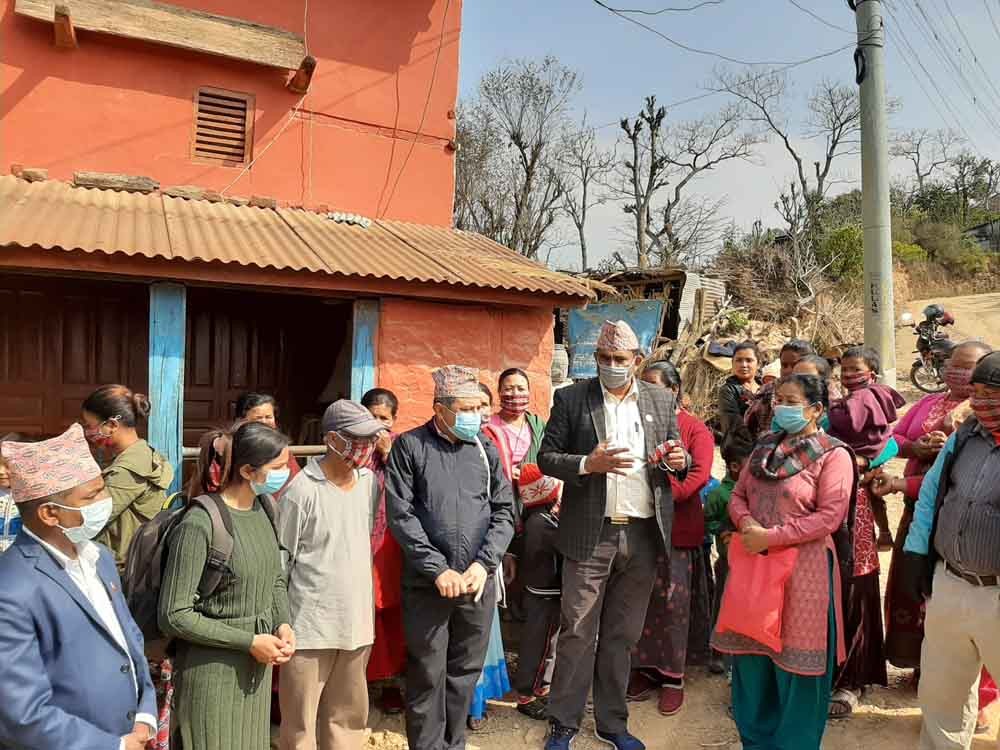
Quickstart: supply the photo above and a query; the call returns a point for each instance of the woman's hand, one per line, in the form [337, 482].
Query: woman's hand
[267, 649]
[755, 538]
[927, 447]
[515, 473]
[884, 485]
[287, 636]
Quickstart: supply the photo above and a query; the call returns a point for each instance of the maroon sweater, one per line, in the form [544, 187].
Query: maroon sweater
[689, 516]
[864, 419]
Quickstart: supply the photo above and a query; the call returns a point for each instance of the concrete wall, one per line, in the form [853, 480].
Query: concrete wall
[416, 337]
[115, 105]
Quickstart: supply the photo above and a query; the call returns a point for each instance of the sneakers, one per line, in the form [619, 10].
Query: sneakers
[671, 700]
[623, 741]
[560, 737]
[640, 686]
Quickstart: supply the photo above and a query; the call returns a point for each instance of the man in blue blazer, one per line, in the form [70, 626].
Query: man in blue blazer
[72, 670]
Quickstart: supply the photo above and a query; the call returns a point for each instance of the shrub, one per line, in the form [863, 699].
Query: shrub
[843, 251]
[908, 253]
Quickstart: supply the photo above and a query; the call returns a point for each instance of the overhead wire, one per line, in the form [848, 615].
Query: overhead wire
[971, 50]
[993, 19]
[670, 10]
[820, 18]
[718, 55]
[423, 115]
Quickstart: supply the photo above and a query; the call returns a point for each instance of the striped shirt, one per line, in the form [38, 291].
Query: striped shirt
[968, 527]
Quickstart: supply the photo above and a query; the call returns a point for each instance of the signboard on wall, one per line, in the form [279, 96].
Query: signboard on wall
[584, 326]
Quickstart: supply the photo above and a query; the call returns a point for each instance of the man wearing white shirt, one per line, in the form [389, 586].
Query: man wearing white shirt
[612, 440]
[73, 672]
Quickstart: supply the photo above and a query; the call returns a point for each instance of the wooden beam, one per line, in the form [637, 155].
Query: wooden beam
[184, 28]
[63, 25]
[167, 338]
[114, 181]
[299, 83]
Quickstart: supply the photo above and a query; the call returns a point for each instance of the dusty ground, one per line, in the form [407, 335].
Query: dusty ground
[887, 720]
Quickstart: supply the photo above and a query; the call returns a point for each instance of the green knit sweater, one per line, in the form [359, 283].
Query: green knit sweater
[222, 695]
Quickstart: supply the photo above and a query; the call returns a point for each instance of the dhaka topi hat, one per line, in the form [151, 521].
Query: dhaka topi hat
[456, 381]
[617, 336]
[42, 469]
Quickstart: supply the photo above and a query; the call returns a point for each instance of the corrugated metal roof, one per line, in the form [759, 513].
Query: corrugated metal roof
[54, 214]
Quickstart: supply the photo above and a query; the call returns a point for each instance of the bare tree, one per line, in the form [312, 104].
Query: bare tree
[661, 156]
[834, 118]
[510, 187]
[927, 150]
[586, 168]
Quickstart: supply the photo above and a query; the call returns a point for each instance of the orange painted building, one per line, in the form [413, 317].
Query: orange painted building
[341, 272]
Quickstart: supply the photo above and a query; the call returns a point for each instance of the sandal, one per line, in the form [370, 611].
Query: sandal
[842, 704]
[477, 725]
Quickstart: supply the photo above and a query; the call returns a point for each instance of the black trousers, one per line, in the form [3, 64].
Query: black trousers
[536, 655]
[446, 642]
[604, 600]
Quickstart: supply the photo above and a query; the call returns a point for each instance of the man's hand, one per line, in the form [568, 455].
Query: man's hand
[450, 584]
[475, 578]
[605, 460]
[509, 569]
[384, 445]
[135, 742]
[754, 538]
[670, 453]
[916, 576]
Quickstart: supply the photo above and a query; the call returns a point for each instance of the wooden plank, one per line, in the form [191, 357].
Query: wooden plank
[64, 31]
[167, 334]
[364, 354]
[174, 26]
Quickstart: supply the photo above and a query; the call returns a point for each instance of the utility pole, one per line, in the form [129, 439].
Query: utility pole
[869, 58]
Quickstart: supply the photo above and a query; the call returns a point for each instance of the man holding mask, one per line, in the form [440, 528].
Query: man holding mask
[324, 522]
[450, 507]
[612, 441]
[73, 673]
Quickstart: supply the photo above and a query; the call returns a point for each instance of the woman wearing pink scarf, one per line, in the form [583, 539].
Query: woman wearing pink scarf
[921, 434]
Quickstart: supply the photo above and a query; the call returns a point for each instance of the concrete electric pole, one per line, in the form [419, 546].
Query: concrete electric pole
[880, 323]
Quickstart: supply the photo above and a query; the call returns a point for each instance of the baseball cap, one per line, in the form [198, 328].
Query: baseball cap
[987, 371]
[351, 418]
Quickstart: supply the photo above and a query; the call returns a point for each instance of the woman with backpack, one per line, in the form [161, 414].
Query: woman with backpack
[135, 474]
[227, 641]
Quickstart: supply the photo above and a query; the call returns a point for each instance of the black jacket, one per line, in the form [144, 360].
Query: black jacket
[575, 427]
[734, 400]
[439, 506]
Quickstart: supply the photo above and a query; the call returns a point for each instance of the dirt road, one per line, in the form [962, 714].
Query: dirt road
[887, 720]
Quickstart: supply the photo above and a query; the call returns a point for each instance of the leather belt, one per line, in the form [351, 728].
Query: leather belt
[624, 520]
[972, 578]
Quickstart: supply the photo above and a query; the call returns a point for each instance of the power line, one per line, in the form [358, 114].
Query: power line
[709, 53]
[669, 10]
[423, 115]
[820, 18]
[993, 19]
[969, 48]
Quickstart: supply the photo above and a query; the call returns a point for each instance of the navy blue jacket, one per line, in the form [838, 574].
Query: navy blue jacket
[64, 680]
[441, 509]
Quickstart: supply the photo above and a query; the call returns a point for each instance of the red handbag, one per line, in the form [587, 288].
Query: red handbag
[755, 593]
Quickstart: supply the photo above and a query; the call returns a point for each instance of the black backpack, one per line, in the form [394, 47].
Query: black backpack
[147, 557]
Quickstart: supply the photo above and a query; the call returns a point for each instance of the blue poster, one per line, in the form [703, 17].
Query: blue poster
[645, 317]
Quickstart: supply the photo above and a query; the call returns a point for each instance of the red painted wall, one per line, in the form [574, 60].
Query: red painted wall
[417, 337]
[115, 105]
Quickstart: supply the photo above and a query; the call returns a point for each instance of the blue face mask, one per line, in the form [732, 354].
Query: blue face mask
[790, 419]
[467, 425]
[824, 423]
[276, 479]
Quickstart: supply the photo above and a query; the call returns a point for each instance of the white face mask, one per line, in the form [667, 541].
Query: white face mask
[95, 518]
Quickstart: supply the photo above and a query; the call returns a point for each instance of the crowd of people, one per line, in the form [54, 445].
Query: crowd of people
[273, 592]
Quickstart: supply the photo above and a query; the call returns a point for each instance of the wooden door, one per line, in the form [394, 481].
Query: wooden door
[60, 340]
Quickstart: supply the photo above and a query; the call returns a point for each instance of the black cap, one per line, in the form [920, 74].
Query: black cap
[987, 371]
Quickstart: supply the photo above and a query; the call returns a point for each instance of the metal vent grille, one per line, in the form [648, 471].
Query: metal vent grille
[223, 130]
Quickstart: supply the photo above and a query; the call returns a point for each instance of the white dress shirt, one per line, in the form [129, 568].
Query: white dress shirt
[83, 572]
[628, 495]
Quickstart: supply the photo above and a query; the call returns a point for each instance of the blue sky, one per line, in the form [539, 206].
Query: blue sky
[621, 63]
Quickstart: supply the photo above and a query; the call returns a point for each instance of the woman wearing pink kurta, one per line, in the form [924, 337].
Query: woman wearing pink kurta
[796, 492]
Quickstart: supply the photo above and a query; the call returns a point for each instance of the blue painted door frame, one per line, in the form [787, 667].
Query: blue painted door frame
[364, 344]
[167, 337]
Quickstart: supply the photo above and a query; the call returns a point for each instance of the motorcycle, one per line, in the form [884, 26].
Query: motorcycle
[933, 349]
